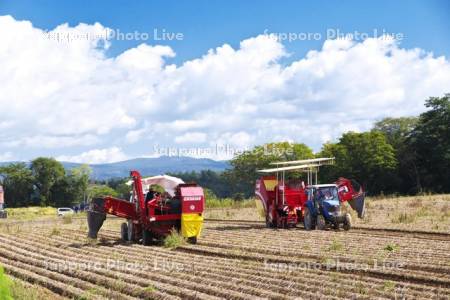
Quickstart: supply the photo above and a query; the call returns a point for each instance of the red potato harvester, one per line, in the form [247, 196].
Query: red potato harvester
[289, 202]
[150, 219]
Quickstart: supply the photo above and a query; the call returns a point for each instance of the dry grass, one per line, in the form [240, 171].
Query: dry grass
[427, 213]
[31, 213]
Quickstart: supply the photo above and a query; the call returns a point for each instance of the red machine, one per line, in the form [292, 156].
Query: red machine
[282, 203]
[154, 218]
[3, 213]
[284, 200]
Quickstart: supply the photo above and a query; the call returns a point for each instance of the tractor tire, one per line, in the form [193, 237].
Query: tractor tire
[335, 225]
[321, 225]
[147, 237]
[192, 240]
[308, 219]
[347, 222]
[124, 232]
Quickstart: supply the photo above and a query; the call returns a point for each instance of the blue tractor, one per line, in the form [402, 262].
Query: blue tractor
[323, 209]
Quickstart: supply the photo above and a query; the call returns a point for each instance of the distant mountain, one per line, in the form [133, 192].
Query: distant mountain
[152, 166]
[148, 166]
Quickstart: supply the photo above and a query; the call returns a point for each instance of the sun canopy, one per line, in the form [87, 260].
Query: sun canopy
[169, 183]
[319, 161]
[290, 168]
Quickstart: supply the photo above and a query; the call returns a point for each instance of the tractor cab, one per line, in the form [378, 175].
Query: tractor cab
[325, 198]
[324, 206]
[324, 195]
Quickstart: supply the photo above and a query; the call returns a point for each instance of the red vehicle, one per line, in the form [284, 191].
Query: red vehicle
[3, 213]
[150, 219]
[284, 200]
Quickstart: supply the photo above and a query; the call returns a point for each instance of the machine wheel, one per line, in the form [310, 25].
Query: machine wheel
[147, 237]
[124, 232]
[192, 240]
[307, 219]
[347, 222]
[269, 224]
[320, 222]
[335, 225]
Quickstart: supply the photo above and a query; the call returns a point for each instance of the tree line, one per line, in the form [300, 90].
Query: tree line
[407, 155]
[43, 182]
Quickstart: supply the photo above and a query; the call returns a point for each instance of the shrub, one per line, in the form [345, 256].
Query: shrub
[404, 218]
[174, 240]
[238, 196]
[55, 231]
[150, 288]
[391, 247]
[5, 286]
[336, 246]
[388, 285]
[229, 203]
[67, 219]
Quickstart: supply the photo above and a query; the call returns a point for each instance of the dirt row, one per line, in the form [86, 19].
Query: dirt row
[317, 244]
[420, 234]
[233, 260]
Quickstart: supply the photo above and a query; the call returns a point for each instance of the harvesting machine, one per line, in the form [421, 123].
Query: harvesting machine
[287, 202]
[3, 213]
[150, 218]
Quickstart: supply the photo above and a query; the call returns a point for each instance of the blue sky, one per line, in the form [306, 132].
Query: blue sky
[225, 84]
[208, 24]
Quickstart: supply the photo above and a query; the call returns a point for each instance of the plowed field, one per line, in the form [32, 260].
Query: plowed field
[233, 259]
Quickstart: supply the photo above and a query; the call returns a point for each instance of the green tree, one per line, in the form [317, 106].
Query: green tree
[80, 181]
[397, 132]
[63, 192]
[366, 157]
[46, 171]
[212, 180]
[17, 181]
[100, 191]
[123, 190]
[241, 177]
[209, 194]
[430, 142]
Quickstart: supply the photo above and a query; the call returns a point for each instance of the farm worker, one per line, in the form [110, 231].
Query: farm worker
[150, 195]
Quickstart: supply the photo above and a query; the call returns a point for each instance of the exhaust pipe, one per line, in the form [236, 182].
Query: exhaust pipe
[95, 216]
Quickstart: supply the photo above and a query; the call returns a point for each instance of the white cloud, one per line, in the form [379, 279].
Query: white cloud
[7, 156]
[50, 142]
[96, 156]
[63, 95]
[191, 138]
